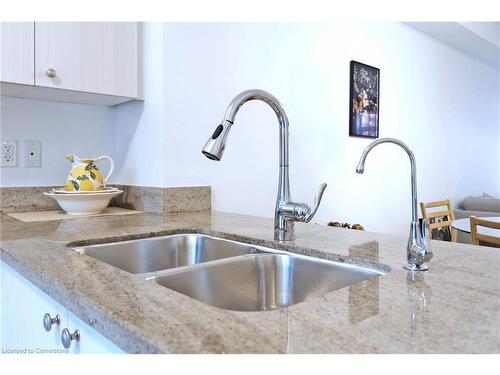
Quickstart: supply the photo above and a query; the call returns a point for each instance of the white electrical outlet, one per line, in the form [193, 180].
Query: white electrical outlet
[8, 153]
[31, 153]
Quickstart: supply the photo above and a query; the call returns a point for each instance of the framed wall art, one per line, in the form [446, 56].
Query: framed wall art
[364, 100]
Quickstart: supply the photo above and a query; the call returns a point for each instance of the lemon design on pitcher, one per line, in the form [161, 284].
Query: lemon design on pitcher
[85, 176]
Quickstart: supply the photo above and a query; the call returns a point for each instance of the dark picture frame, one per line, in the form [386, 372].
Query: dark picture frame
[364, 100]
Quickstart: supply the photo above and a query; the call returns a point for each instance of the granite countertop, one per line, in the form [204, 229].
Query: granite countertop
[452, 308]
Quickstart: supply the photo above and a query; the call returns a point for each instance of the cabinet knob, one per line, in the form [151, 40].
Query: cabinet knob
[51, 73]
[67, 337]
[48, 321]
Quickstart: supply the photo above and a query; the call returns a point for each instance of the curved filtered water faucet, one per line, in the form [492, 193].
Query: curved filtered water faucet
[418, 250]
[286, 211]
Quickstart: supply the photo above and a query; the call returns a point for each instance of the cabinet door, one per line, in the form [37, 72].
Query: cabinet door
[17, 52]
[95, 57]
[23, 308]
[21, 320]
[91, 341]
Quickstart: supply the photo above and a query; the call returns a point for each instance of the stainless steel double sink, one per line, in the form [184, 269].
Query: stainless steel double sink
[229, 274]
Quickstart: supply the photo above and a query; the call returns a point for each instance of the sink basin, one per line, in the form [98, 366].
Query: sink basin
[229, 274]
[263, 281]
[162, 253]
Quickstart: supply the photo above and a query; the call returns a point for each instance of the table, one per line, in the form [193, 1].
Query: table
[463, 225]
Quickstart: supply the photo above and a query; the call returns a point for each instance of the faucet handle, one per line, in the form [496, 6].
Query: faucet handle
[317, 201]
[426, 237]
[421, 253]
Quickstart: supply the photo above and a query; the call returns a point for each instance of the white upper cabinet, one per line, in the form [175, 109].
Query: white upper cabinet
[80, 62]
[98, 57]
[17, 52]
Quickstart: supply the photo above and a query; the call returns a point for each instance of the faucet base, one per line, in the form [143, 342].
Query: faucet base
[284, 229]
[416, 267]
[284, 235]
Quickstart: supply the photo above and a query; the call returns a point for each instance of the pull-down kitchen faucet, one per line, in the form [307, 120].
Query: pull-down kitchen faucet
[286, 211]
[418, 250]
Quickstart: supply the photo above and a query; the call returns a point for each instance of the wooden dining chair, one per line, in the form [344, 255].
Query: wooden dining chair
[439, 218]
[478, 238]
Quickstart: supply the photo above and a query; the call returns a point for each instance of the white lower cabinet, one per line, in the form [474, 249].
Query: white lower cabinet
[90, 341]
[21, 321]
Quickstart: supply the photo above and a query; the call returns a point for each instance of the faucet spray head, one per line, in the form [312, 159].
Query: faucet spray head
[214, 148]
[361, 167]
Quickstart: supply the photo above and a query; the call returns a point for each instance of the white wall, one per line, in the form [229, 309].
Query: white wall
[439, 101]
[63, 128]
[487, 30]
[140, 126]
[442, 103]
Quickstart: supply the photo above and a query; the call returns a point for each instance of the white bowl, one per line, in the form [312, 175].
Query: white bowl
[83, 204]
[62, 190]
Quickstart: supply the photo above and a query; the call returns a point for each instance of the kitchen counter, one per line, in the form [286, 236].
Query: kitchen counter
[452, 308]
